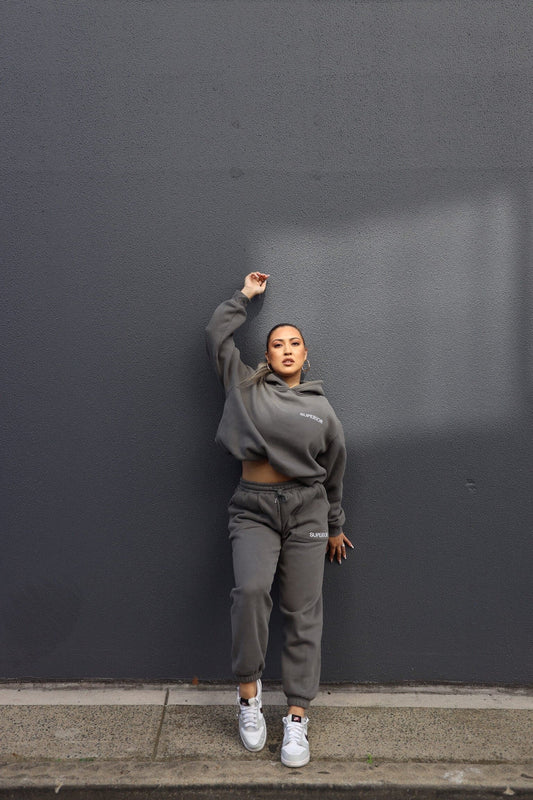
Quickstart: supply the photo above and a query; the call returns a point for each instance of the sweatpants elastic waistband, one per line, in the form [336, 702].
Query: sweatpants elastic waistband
[252, 486]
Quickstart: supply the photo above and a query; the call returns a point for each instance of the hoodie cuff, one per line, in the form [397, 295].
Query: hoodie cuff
[241, 297]
[334, 530]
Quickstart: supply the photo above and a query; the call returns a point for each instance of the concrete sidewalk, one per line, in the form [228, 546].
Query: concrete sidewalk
[129, 741]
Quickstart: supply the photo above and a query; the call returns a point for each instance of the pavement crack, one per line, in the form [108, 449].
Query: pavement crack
[160, 726]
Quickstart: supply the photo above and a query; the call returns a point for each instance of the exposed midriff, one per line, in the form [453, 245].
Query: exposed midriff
[262, 472]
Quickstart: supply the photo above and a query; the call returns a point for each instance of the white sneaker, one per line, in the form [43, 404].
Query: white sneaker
[252, 725]
[295, 747]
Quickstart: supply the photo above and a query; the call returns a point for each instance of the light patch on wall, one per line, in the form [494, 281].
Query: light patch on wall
[426, 305]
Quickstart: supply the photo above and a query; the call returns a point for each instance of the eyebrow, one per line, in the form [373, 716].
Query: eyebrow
[288, 339]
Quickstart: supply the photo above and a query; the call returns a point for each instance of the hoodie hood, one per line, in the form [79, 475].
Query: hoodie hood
[308, 387]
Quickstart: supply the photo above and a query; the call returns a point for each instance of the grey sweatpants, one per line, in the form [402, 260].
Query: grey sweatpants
[283, 527]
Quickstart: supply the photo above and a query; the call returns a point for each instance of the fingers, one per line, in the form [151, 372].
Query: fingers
[336, 552]
[348, 542]
[259, 277]
[336, 548]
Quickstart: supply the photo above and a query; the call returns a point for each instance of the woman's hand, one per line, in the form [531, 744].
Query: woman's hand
[336, 547]
[255, 283]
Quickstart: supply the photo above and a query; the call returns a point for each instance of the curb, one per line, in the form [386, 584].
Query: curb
[169, 780]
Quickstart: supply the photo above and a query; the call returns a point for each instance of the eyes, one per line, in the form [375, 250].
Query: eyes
[294, 343]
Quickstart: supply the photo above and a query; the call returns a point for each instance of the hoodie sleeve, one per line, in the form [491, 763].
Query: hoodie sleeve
[334, 461]
[221, 348]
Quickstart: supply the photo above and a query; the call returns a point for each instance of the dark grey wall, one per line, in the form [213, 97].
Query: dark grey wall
[375, 157]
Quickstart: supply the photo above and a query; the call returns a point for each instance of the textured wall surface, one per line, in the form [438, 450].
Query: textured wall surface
[375, 158]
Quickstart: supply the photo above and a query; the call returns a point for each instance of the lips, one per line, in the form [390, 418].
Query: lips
[288, 362]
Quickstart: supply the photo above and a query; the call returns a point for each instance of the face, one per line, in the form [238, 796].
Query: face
[286, 353]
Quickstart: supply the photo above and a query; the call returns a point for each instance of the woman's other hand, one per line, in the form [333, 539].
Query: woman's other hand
[336, 547]
[255, 283]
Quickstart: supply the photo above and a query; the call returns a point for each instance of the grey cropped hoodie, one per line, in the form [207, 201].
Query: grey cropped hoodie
[294, 428]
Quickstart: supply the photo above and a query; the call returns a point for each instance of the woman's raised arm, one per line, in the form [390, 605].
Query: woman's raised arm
[227, 317]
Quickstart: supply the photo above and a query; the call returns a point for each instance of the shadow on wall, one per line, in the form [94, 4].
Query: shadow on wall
[36, 618]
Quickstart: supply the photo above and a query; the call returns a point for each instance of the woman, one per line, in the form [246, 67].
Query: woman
[284, 515]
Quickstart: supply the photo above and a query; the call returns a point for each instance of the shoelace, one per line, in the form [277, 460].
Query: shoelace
[295, 732]
[249, 715]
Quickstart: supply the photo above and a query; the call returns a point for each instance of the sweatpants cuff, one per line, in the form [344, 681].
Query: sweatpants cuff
[248, 678]
[302, 702]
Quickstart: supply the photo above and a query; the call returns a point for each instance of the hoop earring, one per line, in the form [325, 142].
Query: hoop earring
[308, 367]
[269, 367]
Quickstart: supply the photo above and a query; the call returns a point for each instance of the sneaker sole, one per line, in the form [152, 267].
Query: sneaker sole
[301, 763]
